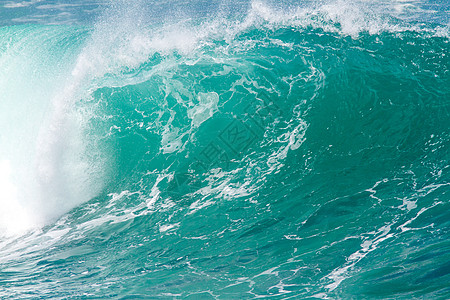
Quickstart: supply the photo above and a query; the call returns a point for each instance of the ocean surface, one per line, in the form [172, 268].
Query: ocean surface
[224, 149]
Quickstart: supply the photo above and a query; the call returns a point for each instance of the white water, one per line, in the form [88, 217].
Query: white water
[45, 165]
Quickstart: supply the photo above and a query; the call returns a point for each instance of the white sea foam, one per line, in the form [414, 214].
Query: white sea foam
[205, 109]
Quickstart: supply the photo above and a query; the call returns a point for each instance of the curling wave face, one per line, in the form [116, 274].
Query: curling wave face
[291, 151]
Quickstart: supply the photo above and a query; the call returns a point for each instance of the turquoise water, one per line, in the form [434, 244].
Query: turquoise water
[234, 150]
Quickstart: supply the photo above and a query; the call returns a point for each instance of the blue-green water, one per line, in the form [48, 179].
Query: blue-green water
[224, 150]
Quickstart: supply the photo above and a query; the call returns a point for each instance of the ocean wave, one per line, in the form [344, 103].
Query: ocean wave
[295, 151]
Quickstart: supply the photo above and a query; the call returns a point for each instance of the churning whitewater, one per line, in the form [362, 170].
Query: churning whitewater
[224, 149]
